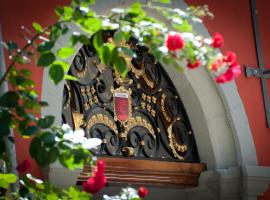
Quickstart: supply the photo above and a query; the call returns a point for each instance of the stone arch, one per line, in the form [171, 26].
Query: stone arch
[216, 112]
[217, 116]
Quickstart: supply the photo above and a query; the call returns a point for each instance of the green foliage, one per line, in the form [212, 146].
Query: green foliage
[65, 52]
[7, 179]
[9, 99]
[46, 58]
[56, 73]
[75, 38]
[45, 122]
[91, 25]
[20, 106]
[45, 46]
[37, 27]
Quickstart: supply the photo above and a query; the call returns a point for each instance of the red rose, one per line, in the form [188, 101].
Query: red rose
[97, 181]
[218, 41]
[194, 65]
[174, 41]
[230, 57]
[231, 73]
[143, 192]
[24, 167]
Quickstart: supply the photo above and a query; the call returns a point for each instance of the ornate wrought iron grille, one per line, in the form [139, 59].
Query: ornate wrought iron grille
[158, 126]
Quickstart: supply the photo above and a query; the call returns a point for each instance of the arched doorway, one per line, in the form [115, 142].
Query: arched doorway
[216, 115]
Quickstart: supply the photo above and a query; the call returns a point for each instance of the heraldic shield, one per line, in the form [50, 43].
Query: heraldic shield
[122, 104]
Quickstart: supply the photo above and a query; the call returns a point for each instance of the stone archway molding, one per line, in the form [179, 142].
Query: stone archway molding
[218, 118]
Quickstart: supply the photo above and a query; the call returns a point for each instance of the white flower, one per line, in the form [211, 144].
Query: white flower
[106, 197]
[207, 41]
[180, 12]
[126, 28]
[91, 143]
[188, 36]
[163, 49]
[78, 137]
[177, 20]
[66, 128]
[117, 10]
[145, 23]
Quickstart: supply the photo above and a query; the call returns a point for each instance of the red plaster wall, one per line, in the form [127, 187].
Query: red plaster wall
[233, 21]
[14, 14]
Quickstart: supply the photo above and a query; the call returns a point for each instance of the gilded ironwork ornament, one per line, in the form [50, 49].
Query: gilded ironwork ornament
[139, 116]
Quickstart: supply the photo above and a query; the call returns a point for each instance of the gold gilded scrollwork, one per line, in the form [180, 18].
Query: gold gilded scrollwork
[138, 121]
[174, 144]
[147, 81]
[163, 109]
[100, 119]
[77, 119]
[69, 97]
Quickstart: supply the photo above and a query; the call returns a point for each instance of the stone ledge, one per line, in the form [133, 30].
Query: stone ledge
[256, 180]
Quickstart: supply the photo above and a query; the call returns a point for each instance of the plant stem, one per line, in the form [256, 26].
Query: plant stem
[18, 54]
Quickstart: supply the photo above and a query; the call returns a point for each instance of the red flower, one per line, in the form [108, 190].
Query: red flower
[230, 57]
[218, 41]
[143, 192]
[24, 167]
[98, 181]
[231, 73]
[194, 65]
[174, 41]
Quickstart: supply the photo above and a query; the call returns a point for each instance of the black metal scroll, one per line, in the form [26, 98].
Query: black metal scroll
[158, 127]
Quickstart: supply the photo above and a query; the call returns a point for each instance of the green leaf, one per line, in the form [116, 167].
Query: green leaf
[184, 27]
[91, 25]
[48, 138]
[128, 52]
[42, 156]
[30, 130]
[65, 52]
[70, 77]
[26, 72]
[20, 80]
[9, 99]
[23, 192]
[43, 103]
[120, 66]
[45, 46]
[105, 53]
[45, 122]
[37, 27]
[46, 58]
[67, 13]
[136, 10]
[7, 179]
[35, 146]
[64, 65]
[53, 154]
[98, 41]
[79, 38]
[119, 36]
[163, 1]
[56, 73]
[5, 121]
[11, 46]
[55, 32]
[59, 11]
[66, 159]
